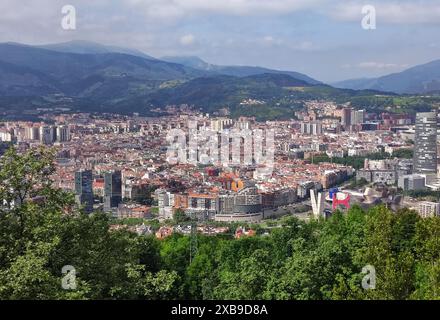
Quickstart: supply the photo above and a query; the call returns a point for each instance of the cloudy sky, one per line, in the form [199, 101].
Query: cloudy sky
[322, 38]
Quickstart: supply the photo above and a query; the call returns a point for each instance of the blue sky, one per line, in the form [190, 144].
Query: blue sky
[322, 38]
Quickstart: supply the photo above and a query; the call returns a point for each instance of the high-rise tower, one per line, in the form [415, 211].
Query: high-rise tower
[84, 189]
[425, 150]
[113, 190]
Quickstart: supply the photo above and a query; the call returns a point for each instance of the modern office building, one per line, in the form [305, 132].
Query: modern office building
[427, 209]
[244, 206]
[388, 177]
[248, 201]
[203, 206]
[346, 117]
[412, 182]
[425, 150]
[357, 116]
[84, 189]
[112, 190]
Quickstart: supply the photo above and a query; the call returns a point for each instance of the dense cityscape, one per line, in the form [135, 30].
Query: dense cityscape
[219, 158]
[118, 164]
[329, 160]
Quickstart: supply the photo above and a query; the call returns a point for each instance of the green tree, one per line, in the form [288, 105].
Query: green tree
[249, 280]
[42, 231]
[427, 243]
[389, 251]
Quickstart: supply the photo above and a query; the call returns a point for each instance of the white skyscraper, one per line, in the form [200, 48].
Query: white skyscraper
[63, 133]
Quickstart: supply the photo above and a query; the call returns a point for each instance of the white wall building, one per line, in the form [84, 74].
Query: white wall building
[427, 209]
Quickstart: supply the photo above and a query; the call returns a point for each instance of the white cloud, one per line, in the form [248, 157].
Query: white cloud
[389, 11]
[305, 46]
[268, 39]
[39, 20]
[224, 33]
[380, 65]
[187, 40]
[180, 8]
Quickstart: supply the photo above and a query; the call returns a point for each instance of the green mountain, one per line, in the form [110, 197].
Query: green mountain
[190, 61]
[87, 47]
[32, 78]
[35, 71]
[221, 91]
[422, 79]
[87, 77]
[265, 96]
[16, 80]
[236, 71]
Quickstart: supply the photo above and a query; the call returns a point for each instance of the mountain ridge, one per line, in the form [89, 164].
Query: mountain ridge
[419, 79]
[33, 77]
[88, 47]
[30, 77]
[238, 71]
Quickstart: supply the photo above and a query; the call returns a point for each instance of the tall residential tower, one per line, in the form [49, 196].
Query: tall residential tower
[425, 150]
